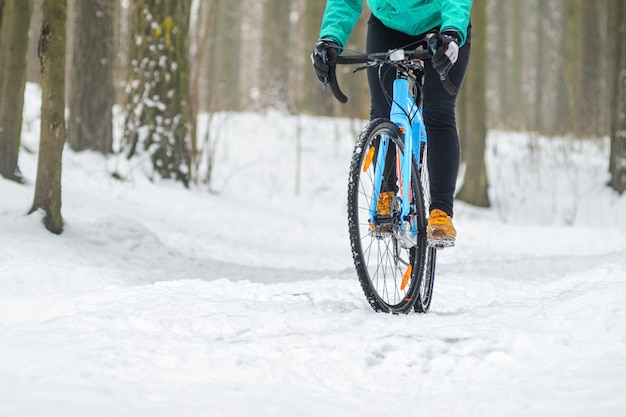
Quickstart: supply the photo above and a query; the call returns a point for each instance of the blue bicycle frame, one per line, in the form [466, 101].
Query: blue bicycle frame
[408, 116]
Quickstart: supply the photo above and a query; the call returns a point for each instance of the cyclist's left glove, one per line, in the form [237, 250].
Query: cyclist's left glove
[447, 53]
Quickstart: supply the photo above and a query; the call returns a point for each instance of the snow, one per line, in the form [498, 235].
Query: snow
[241, 299]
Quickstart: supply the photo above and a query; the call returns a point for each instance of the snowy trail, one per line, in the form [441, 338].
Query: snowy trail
[221, 347]
[515, 335]
[160, 301]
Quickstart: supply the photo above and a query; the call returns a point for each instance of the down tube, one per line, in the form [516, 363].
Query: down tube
[419, 132]
[400, 116]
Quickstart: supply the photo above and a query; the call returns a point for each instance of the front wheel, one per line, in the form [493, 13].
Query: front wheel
[389, 267]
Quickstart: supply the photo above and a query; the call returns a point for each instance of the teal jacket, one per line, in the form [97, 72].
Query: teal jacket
[413, 17]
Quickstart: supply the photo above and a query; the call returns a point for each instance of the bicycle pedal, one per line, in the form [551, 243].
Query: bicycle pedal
[384, 228]
[441, 243]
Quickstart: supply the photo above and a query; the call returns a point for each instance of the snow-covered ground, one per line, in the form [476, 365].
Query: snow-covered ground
[242, 300]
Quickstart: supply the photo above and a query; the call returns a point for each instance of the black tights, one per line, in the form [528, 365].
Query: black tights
[439, 109]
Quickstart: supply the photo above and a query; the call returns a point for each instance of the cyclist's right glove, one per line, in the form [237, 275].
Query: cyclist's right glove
[324, 57]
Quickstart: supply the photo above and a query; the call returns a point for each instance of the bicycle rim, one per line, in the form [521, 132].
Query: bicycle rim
[390, 273]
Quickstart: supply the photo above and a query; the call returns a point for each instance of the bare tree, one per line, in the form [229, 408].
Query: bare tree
[53, 132]
[1, 47]
[91, 92]
[228, 69]
[314, 100]
[15, 18]
[617, 163]
[475, 184]
[276, 52]
[200, 25]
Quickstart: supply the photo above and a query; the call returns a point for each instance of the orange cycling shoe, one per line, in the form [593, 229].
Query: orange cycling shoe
[441, 232]
[383, 207]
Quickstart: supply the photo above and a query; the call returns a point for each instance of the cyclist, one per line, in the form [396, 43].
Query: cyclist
[394, 24]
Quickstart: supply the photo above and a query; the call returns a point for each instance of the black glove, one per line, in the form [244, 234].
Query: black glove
[447, 53]
[324, 57]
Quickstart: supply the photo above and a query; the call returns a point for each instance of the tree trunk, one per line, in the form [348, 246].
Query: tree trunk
[617, 163]
[157, 110]
[501, 56]
[13, 47]
[515, 111]
[232, 60]
[592, 80]
[33, 72]
[91, 92]
[540, 66]
[275, 65]
[475, 184]
[314, 99]
[246, 70]
[203, 23]
[52, 57]
[298, 63]
[572, 74]
[549, 104]
[2, 58]
[123, 45]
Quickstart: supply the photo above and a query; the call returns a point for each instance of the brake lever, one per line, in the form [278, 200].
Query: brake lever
[322, 54]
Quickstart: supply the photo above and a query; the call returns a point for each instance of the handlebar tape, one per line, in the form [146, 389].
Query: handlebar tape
[334, 86]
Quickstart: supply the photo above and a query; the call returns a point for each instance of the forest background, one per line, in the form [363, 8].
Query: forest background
[551, 67]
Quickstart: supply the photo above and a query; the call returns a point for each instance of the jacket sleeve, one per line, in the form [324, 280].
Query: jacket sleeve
[456, 16]
[339, 20]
